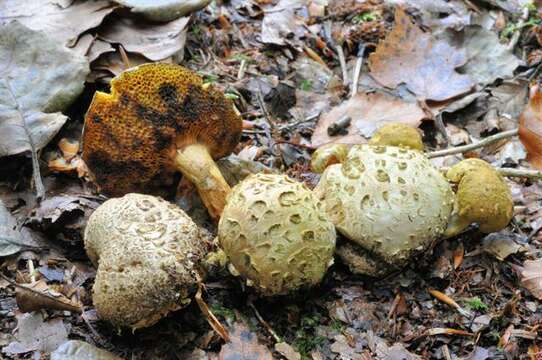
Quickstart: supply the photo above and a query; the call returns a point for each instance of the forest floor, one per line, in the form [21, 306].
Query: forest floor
[457, 70]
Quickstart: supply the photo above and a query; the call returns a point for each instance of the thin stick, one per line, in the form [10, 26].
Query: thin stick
[357, 71]
[526, 173]
[242, 69]
[264, 323]
[462, 149]
[342, 61]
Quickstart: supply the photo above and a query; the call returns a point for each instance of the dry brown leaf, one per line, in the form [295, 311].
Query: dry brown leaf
[62, 24]
[368, 112]
[39, 296]
[426, 65]
[154, 41]
[531, 277]
[244, 345]
[530, 127]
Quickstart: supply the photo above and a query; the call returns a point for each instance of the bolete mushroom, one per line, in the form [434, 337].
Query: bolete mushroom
[276, 235]
[483, 197]
[398, 134]
[328, 155]
[158, 119]
[389, 203]
[146, 251]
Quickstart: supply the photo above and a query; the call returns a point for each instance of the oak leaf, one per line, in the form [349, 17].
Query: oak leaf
[425, 65]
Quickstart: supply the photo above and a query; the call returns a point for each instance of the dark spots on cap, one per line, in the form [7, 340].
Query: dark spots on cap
[168, 94]
[96, 119]
[194, 104]
[105, 168]
[154, 117]
[124, 99]
[162, 139]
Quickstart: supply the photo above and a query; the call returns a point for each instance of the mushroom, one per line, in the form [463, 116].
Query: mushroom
[483, 197]
[276, 235]
[398, 134]
[328, 155]
[158, 119]
[146, 251]
[389, 203]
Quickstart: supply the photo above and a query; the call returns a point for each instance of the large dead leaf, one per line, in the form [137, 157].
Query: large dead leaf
[487, 58]
[367, 112]
[34, 334]
[154, 41]
[37, 76]
[12, 238]
[62, 24]
[77, 350]
[164, 10]
[243, 345]
[426, 65]
[530, 128]
[282, 25]
[531, 277]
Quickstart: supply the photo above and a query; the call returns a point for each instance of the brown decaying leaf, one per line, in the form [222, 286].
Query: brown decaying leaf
[39, 296]
[530, 127]
[211, 318]
[531, 277]
[244, 345]
[368, 112]
[427, 66]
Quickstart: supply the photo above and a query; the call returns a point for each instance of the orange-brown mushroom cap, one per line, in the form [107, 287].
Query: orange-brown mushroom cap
[132, 135]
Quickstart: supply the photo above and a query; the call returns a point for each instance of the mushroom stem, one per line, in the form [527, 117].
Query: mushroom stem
[195, 162]
[455, 226]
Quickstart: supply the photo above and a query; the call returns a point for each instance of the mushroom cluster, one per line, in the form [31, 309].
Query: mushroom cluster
[389, 202]
[275, 234]
[158, 119]
[146, 252]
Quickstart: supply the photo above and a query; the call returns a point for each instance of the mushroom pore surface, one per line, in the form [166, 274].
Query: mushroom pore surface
[145, 250]
[276, 235]
[131, 135]
[389, 202]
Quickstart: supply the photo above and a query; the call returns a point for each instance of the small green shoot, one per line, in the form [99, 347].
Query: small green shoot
[226, 313]
[365, 17]
[475, 303]
[305, 85]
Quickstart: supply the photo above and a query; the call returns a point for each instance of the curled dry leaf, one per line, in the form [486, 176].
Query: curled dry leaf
[530, 127]
[38, 296]
[62, 24]
[368, 112]
[531, 277]
[426, 65]
[164, 10]
[243, 345]
[154, 41]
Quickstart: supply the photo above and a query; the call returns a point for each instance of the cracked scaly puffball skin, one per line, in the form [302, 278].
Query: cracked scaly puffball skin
[390, 202]
[146, 251]
[276, 235]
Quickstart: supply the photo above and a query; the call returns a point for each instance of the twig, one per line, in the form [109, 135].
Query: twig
[40, 189]
[264, 323]
[242, 69]
[526, 173]
[342, 61]
[515, 38]
[462, 149]
[211, 318]
[124, 57]
[357, 71]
